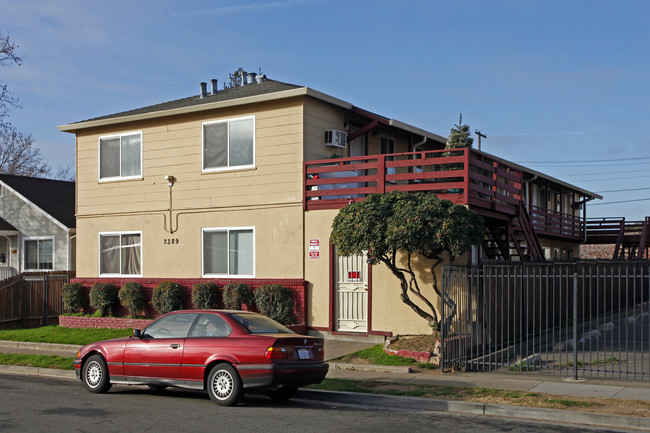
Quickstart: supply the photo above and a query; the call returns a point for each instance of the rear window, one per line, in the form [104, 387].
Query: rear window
[258, 324]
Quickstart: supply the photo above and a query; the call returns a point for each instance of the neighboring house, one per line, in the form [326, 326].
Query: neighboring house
[238, 184]
[37, 225]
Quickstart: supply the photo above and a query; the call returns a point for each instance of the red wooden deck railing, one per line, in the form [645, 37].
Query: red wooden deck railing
[463, 176]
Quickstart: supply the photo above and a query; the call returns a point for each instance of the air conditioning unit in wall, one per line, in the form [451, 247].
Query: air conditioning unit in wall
[334, 138]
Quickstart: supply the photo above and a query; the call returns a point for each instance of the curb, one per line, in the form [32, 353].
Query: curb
[471, 408]
[39, 346]
[370, 367]
[34, 371]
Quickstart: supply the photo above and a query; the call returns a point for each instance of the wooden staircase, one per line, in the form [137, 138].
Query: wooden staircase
[631, 238]
[514, 240]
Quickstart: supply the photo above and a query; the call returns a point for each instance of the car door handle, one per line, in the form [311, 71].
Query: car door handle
[174, 346]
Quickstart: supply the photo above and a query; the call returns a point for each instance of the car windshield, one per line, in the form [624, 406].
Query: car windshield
[258, 324]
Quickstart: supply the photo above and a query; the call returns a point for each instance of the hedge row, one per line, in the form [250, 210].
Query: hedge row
[273, 300]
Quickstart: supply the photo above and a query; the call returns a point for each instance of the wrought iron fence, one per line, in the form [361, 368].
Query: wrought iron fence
[581, 319]
[34, 299]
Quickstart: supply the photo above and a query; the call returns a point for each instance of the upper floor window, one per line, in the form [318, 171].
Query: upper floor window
[120, 156]
[120, 254]
[38, 254]
[229, 144]
[229, 252]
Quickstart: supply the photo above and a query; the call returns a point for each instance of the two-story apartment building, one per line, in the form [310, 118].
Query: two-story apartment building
[240, 184]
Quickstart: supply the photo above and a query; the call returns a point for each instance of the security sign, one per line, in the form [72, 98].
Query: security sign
[314, 248]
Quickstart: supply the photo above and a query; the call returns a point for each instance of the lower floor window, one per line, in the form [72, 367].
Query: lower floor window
[120, 254]
[39, 254]
[229, 252]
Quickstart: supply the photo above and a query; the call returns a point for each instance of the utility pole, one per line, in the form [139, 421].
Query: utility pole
[477, 132]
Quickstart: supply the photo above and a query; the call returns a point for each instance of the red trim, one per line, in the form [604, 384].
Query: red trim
[369, 306]
[332, 272]
[364, 334]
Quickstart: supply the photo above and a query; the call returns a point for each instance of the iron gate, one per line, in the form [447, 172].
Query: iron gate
[584, 319]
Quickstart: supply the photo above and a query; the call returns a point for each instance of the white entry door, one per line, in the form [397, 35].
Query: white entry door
[352, 293]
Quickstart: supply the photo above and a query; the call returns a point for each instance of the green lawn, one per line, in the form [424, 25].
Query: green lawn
[60, 335]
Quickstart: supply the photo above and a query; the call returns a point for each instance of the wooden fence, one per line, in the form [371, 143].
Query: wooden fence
[32, 299]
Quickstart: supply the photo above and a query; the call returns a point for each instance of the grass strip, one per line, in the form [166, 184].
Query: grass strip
[447, 392]
[40, 361]
[61, 335]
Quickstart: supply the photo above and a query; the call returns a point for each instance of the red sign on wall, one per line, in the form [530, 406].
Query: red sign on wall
[314, 248]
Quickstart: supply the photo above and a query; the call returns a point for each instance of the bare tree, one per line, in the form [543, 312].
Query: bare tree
[8, 57]
[18, 155]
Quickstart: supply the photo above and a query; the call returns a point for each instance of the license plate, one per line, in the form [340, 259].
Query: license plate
[304, 354]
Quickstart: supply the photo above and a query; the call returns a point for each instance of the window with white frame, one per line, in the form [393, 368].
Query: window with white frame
[229, 144]
[229, 252]
[38, 254]
[120, 156]
[120, 253]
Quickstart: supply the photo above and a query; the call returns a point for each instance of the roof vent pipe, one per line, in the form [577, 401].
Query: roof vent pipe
[260, 78]
[251, 78]
[204, 89]
[243, 78]
[214, 86]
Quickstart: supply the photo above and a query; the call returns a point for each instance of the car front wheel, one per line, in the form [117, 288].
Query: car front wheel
[224, 385]
[95, 375]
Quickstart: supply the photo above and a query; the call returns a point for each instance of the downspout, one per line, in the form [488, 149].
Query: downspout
[416, 145]
[584, 217]
[528, 196]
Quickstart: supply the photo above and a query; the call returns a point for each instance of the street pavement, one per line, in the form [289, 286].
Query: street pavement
[625, 390]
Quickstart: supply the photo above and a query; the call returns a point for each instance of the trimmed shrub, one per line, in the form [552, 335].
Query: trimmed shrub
[167, 296]
[275, 301]
[73, 298]
[103, 297]
[132, 297]
[237, 294]
[205, 296]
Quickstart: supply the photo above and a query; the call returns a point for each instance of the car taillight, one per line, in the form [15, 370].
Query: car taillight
[274, 352]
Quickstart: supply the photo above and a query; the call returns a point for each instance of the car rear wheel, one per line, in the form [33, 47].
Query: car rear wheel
[283, 393]
[95, 375]
[224, 385]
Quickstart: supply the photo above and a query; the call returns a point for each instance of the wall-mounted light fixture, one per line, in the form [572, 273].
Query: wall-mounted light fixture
[170, 180]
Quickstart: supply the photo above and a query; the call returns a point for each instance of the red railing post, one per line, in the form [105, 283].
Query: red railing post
[381, 174]
[466, 187]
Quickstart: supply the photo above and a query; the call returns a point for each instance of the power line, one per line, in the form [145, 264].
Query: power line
[584, 160]
[621, 201]
[622, 190]
[579, 123]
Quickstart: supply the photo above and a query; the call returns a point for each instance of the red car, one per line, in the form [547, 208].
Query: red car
[223, 352]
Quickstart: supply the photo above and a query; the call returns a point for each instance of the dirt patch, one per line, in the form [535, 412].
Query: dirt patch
[415, 343]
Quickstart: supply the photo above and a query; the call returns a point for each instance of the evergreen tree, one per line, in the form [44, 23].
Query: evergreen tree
[460, 136]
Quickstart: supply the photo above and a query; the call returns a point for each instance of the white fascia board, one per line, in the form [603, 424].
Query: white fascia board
[38, 209]
[416, 130]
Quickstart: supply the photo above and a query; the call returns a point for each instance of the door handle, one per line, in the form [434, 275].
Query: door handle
[174, 346]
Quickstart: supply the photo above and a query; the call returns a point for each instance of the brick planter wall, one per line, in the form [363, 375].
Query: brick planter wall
[103, 322]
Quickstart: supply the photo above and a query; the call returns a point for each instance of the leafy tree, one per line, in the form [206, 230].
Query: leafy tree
[460, 136]
[397, 227]
[234, 79]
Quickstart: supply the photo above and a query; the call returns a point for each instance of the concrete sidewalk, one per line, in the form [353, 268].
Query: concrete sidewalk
[626, 390]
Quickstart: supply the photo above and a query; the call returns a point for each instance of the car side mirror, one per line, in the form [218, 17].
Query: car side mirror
[137, 333]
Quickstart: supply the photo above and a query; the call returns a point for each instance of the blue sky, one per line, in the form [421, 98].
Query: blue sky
[559, 86]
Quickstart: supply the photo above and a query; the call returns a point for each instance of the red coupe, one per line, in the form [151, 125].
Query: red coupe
[223, 352]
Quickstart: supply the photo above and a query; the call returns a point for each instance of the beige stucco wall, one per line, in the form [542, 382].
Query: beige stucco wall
[278, 241]
[388, 312]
